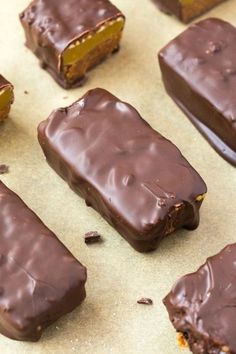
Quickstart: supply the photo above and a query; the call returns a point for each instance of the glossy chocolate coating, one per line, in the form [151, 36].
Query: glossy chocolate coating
[135, 178]
[202, 305]
[199, 73]
[52, 25]
[40, 279]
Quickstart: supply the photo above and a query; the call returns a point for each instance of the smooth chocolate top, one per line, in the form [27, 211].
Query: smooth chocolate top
[4, 83]
[204, 302]
[37, 272]
[139, 173]
[204, 55]
[56, 23]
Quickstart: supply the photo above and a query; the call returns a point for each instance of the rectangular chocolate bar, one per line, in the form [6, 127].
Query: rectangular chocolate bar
[40, 279]
[6, 97]
[135, 178]
[199, 72]
[202, 305]
[186, 10]
[70, 37]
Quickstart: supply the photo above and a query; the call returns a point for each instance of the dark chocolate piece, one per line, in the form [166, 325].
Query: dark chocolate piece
[186, 10]
[4, 169]
[40, 279]
[70, 37]
[199, 73]
[202, 305]
[135, 178]
[145, 301]
[92, 237]
[6, 97]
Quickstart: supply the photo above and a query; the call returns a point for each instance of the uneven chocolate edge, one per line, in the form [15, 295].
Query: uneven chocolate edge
[60, 80]
[56, 71]
[214, 140]
[197, 341]
[70, 301]
[188, 218]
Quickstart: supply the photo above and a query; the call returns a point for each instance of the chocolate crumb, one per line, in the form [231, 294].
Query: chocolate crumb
[145, 301]
[4, 169]
[26, 92]
[92, 237]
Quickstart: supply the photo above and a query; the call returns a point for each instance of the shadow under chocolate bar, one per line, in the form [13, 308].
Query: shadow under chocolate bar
[70, 37]
[186, 10]
[6, 97]
[135, 178]
[199, 73]
[40, 279]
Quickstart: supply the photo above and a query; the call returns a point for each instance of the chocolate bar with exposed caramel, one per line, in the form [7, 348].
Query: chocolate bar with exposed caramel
[40, 279]
[6, 97]
[202, 306]
[70, 37]
[134, 177]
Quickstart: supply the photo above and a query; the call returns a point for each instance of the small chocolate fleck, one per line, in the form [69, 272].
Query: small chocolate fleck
[26, 92]
[145, 301]
[92, 237]
[4, 169]
[65, 97]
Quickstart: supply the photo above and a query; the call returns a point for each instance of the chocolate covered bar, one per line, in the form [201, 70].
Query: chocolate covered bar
[199, 72]
[40, 279]
[70, 37]
[186, 10]
[135, 178]
[6, 97]
[202, 305]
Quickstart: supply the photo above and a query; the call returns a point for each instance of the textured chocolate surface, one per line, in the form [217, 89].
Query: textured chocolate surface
[52, 25]
[40, 279]
[202, 305]
[199, 73]
[135, 178]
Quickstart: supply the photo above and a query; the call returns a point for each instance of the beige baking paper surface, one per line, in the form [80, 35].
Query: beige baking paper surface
[110, 320]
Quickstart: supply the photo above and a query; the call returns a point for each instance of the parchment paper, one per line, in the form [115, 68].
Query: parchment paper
[110, 321]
